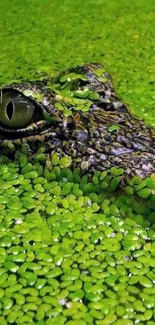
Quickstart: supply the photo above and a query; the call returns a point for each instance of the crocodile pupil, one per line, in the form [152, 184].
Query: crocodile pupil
[9, 109]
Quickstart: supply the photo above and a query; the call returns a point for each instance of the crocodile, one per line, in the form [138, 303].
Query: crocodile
[78, 114]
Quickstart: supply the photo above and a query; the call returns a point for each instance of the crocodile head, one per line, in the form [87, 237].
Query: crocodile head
[77, 114]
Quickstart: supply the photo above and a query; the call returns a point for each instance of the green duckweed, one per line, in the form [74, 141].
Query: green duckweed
[73, 251]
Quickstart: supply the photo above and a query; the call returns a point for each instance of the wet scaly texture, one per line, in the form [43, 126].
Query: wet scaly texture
[79, 115]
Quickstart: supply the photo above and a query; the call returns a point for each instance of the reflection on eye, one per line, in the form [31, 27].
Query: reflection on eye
[16, 111]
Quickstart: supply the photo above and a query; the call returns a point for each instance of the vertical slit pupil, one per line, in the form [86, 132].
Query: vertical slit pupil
[9, 109]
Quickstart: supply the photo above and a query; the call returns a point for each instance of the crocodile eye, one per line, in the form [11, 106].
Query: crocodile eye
[16, 111]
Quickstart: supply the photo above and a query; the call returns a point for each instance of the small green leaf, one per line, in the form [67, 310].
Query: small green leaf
[59, 106]
[113, 127]
[70, 77]
[38, 97]
[67, 112]
[94, 95]
[103, 79]
[99, 72]
[82, 93]
[30, 93]
[53, 87]
[85, 107]
[48, 117]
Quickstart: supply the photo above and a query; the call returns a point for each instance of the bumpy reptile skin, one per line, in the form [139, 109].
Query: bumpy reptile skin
[85, 136]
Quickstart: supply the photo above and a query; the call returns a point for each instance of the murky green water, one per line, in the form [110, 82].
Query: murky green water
[53, 35]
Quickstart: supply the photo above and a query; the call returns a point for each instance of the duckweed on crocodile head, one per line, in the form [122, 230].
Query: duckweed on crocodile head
[72, 250]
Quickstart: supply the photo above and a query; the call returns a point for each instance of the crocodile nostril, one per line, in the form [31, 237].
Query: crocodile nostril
[106, 105]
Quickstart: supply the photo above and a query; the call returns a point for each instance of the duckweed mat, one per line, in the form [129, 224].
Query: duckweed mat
[49, 36]
[71, 249]
[74, 248]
